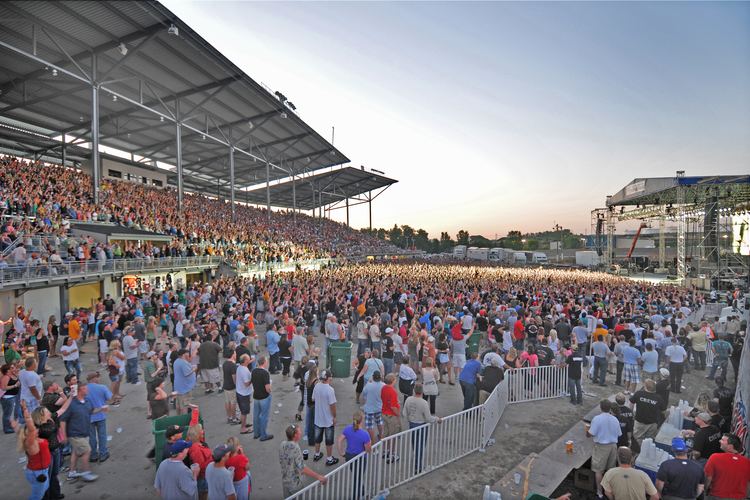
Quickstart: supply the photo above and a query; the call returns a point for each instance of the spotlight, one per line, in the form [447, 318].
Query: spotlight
[54, 72]
[172, 30]
[203, 136]
[250, 124]
[161, 118]
[114, 98]
[283, 114]
[123, 49]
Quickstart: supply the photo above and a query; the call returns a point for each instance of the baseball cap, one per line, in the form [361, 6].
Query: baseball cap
[150, 353]
[325, 374]
[172, 430]
[178, 447]
[664, 372]
[389, 330]
[222, 450]
[430, 339]
[92, 375]
[678, 444]
[704, 416]
[497, 321]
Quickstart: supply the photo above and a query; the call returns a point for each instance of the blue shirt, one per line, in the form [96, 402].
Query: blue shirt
[355, 440]
[373, 401]
[470, 371]
[605, 428]
[650, 361]
[98, 394]
[77, 418]
[184, 376]
[272, 339]
[631, 355]
[425, 320]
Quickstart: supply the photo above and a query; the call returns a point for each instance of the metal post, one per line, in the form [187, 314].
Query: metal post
[231, 181]
[294, 197]
[680, 206]
[268, 190]
[662, 243]
[347, 211]
[64, 151]
[178, 136]
[369, 203]
[95, 129]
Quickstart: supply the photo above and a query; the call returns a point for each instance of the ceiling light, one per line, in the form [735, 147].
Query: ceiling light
[203, 136]
[114, 98]
[250, 124]
[123, 49]
[161, 118]
[283, 115]
[173, 30]
[54, 72]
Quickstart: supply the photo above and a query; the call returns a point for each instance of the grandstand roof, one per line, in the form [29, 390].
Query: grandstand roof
[674, 190]
[143, 69]
[333, 186]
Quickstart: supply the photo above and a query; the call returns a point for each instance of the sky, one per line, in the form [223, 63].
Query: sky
[499, 116]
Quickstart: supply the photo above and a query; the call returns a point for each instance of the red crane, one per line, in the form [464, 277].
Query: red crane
[635, 240]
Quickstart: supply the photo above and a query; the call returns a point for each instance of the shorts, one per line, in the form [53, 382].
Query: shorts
[183, 401]
[459, 360]
[210, 376]
[392, 425]
[79, 445]
[328, 434]
[103, 346]
[114, 378]
[243, 403]
[230, 396]
[631, 373]
[642, 431]
[604, 457]
[373, 419]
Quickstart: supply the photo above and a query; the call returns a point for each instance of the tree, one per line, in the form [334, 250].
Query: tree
[446, 243]
[477, 240]
[462, 238]
[532, 244]
[395, 235]
[514, 234]
[422, 240]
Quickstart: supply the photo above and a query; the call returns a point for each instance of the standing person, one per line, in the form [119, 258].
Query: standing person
[605, 429]
[574, 360]
[10, 387]
[116, 369]
[728, 473]
[417, 412]
[722, 351]
[219, 478]
[229, 369]
[46, 420]
[75, 427]
[357, 442]
[626, 418]
[241, 464]
[38, 456]
[650, 363]
[389, 350]
[285, 356]
[707, 439]
[468, 380]
[620, 359]
[292, 463]
[53, 333]
[677, 356]
[680, 477]
[430, 377]
[98, 394]
[407, 377]
[698, 344]
[31, 384]
[208, 364]
[174, 480]
[391, 415]
[261, 382]
[373, 408]
[647, 412]
[631, 372]
[272, 341]
[489, 379]
[130, 347]
[300, 348]
[601, 359]
[71, 356]
[42, 349]
[625, 482]
[325, 417]
[184, 381]
[244, 388]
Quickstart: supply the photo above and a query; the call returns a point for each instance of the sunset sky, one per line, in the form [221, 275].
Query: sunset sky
[500, 116]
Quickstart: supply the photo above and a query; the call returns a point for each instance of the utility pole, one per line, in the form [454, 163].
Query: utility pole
[558, 228]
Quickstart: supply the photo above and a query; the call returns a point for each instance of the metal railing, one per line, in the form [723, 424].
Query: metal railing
[420, 450]
[279, 266]
[537, 383]
[31, 272]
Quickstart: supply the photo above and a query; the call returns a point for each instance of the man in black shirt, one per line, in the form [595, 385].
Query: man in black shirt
[625, 416]
[229, 384]
[680, 477]
[109, 304]
[261, 380]
[574, 362]
[648, 406]
[244, 349]
[562, 327]
[707, 439]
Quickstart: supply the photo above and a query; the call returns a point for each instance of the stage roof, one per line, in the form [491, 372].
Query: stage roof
[689, 190]
[143, 68]
[334, 186]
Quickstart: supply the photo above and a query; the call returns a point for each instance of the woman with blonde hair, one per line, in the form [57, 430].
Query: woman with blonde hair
[430, 377]
[47, 427]
[38, 456]
[357, 442]
[241, 464]
[116, 369]
[200, 454]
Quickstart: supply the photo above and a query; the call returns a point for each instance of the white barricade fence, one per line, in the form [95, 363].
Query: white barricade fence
[536, 383]
[419, 450]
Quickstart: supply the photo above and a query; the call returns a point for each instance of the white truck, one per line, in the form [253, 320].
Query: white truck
[537, 257]
[459, 252]
[587, 258]
[496, 255]
[474, 253]
[518, 258]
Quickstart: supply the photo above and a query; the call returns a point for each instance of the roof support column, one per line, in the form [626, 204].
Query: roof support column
[64, 153]
[178, 145]
[231, 182]
[95, 129]
[268, 190]
[369, 204]
[347, 211]
[294, 197]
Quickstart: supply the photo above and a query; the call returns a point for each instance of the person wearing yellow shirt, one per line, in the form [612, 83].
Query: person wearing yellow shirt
[74, 327]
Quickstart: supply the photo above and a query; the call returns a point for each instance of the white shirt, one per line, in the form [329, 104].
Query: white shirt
[324, 397]
[676, 353]
[67, 352]
[243, 379]
[28, 380]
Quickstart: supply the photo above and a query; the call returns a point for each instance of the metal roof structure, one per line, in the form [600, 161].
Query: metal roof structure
[683, 190]
[321, 189]
[148, 84]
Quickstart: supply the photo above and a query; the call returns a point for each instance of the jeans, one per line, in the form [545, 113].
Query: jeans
[470, 394]
[719, 362]
[418, 439]
[54, 470]
[11, 408]
[98, 434]
[274, 363]
[285, 363]
[131, 370]
[618, 379]
[362, 344]
[432, 398]
[310, 425]
[38, 489]
[261, 409]
[387, 366]
[700, 360]
[73, 367]
[574, 388]
[600, 370]
[42, 362]
[675, 376]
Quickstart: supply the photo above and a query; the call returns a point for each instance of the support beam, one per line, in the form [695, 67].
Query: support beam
[347, 212]
[64, 153]
[370, 207]
[294, 197]
[662, 243]
[178, 145]
[95, 128]
[268, 190]
[231, 182]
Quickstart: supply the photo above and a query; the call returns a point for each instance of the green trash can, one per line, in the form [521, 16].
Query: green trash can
[159, 427]
[341, 358]
[472, 345]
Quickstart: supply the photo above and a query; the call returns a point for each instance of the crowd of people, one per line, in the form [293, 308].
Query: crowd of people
[414, 326]
[53, 196]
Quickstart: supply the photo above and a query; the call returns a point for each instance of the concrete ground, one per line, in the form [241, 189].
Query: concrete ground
[524, 428]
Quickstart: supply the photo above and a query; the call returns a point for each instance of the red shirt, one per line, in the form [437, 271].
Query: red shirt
[730, 473]
[42, 459]
[239, 462]
[519, 330]
[390, 401]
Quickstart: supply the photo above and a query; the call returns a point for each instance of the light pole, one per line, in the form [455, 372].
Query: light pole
[558, 228]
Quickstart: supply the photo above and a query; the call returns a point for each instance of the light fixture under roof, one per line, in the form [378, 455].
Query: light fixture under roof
[54, 72]
[114, 98]
[250, 124]
[123, 48]
[284, 115]
[161, 118]
[173, 30]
